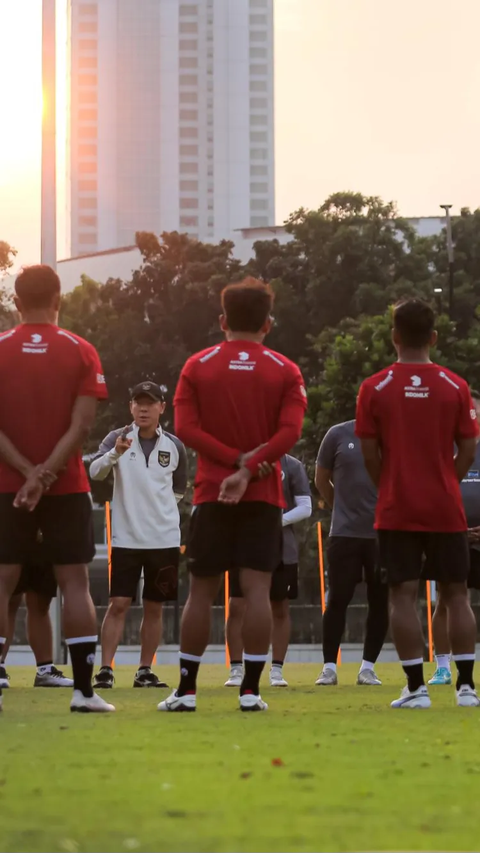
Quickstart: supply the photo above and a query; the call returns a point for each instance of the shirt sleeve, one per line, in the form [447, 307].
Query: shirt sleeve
[365, 425]
[105, 458]
[300, 484]
[180, 475]
[188, 427]
[327, 450]
[467, 424]
[93, 379]
[290, 421]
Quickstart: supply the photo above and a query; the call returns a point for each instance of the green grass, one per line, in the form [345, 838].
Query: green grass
[324, 769]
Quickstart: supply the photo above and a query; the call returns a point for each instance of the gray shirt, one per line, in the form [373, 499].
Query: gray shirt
[470, 489]
[355, 495]
[295, 484]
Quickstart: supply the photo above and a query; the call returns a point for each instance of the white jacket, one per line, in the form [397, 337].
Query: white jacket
[145, 495]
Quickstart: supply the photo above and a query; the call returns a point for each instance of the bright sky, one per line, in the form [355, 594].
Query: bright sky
[371, 95]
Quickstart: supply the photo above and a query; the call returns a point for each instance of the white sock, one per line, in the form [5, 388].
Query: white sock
[366, 664]
[278, 666]
[44, 670]
[330, 666]
[443, 661]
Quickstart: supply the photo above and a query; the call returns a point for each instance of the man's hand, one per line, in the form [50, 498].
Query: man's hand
[234, 487]
[32, 490]
[123, 443]
[474, 534]
[264, 469]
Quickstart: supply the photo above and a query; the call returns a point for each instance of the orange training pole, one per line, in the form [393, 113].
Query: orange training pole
[227, 610]
[108, 524]
[322, 577]
[429, 622]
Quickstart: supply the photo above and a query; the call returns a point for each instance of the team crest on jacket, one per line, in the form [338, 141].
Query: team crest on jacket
[163, 458]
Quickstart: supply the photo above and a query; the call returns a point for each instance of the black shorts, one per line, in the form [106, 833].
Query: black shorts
[66, 524]
[246, 536]
[474, 574]
[352, 560]
[160, 573]
[408, 555]
[39, 578]
[284, 583]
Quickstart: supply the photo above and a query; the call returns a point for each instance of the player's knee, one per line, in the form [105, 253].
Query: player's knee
[118, 606]
[152, 609]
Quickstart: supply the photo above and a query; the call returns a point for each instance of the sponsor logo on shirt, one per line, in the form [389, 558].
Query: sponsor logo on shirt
[351, 446]
[133, 455]
[473, 414]
[415, 388]
[303, 391]
[35, 345]
[163, 458]
[242, 362]
[472, 477]
[385, 381]
[100, 379]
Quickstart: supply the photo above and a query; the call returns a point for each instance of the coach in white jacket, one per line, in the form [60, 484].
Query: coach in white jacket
[150, 477]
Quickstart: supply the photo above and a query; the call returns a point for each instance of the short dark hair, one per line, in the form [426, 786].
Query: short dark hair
[37, 286]
[247, 305]
[414, 321]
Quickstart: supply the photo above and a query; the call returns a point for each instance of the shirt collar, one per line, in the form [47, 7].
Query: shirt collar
[136, 430]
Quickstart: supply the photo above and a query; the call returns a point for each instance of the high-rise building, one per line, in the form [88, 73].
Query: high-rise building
[171, 119]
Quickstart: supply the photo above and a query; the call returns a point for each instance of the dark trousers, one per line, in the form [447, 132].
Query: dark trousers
[350, 561]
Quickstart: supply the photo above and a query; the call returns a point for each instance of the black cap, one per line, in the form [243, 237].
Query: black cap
[149, 389]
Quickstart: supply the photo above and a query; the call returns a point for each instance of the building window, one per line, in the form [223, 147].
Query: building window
[188, 62]
[189, 221]
[87, 203]
[87, 132]
[256, 121]
[188, 44]
[258, 204]
[258, 35]
[258, 171]
[258, 53]
[258, 70]
[189, 133]
[88, 44]
[188, 115]
[188, 27]
[259, 222]
[188, 9]
[189, 186]
[87, 9]
[87, 239]
[87, 80]
[87, 62]
[259, 188]
[88, 97]
[258, 86]
[211, 222]
[258, 103]
[189, 168]
[258, 4]
[87, 27]
[88, 221]
[87, 150]
[188, 150]
[87, 115]
[87, 168]
[258, 154]
[188, 97]
[259, 136]
[188, 80]
[188, 203]
[258, 20]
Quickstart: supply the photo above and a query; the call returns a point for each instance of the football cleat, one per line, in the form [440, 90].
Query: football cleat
[179, 703]
[415, 699]
[89, 704]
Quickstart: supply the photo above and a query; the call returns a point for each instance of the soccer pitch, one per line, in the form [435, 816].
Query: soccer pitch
[325, 769]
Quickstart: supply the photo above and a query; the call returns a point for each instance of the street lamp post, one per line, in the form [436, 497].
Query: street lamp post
[49, 127]
[447, 208]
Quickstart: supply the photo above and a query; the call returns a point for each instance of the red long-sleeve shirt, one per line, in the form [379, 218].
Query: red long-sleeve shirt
[229, 400]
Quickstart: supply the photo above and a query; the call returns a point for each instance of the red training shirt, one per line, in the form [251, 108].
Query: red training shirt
[417, 412]
[229, 400]
[43, 369]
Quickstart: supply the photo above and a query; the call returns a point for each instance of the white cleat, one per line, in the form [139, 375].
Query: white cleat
[54, 678]
[327, 678]
[417, 699]
[368, 676]
[178, 703]
[4, 680]
[276, 678]
[467, 697]
[251, 702]
[235, 678]
[89, 704]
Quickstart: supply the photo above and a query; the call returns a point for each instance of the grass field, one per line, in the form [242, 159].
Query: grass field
[324, 769]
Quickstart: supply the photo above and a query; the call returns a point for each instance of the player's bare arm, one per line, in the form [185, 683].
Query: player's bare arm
[465, 457]
[13, 457]
[373, 458]
[323, 482]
